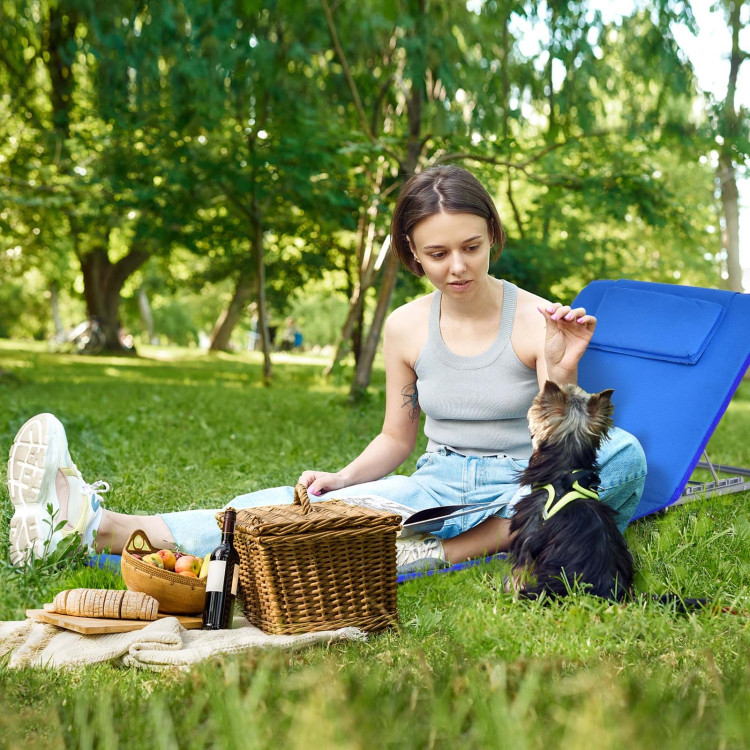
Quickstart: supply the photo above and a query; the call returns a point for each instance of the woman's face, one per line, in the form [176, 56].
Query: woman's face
[454, 251]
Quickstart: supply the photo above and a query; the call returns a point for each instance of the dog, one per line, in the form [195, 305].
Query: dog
[561, 534]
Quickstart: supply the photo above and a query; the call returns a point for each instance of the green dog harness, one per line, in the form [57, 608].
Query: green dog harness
[567, 489]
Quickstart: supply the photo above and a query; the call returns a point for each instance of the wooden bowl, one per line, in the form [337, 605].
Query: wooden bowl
[176, 594]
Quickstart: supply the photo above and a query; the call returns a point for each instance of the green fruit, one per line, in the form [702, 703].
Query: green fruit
[154, 560]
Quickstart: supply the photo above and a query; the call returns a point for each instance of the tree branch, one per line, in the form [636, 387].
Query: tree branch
[28, 186]
[237, 202]
[466, 156]
[573, 183]
[379, 100]
[347, 72]
[521, 166]
[127, 265]
[350, 80]
[516, 213]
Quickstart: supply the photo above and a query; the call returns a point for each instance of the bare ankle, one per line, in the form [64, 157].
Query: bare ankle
[116, 528]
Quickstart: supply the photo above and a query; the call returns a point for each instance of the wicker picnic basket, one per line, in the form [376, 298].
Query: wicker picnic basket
[317, 566]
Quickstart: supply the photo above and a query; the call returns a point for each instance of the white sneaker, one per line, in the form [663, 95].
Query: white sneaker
[416, 553]
[41, 474]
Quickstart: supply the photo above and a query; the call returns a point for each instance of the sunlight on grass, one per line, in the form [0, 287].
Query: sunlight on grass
[467, 666]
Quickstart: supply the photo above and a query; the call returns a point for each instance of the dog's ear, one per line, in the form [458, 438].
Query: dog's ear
[551, 388]
[600, 406]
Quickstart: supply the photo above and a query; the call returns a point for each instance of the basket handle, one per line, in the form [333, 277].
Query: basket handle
[139, 542]
[301, 498]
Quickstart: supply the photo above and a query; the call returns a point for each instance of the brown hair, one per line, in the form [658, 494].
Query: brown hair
[441, 189]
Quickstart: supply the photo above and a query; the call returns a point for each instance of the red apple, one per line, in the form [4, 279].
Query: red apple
[190, 563]
[168, 558]
[187, 574]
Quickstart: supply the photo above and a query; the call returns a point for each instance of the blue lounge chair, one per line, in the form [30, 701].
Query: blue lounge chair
[674, 355]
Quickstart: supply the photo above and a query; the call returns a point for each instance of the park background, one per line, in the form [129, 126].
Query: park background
[196, 173]
[175, 169]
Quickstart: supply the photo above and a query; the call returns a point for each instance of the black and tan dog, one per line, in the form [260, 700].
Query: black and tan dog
[562, 535]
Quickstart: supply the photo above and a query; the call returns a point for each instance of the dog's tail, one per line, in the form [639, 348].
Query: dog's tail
[684, 605]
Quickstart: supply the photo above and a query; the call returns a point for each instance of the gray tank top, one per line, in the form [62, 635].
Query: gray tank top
[476, 405]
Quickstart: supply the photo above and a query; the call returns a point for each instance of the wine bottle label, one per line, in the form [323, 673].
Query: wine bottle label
[216, 571]
[235, 579]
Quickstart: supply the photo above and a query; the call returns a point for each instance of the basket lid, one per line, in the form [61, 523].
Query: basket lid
[303, 517]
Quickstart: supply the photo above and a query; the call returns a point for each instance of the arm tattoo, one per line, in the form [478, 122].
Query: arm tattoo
[411, 400]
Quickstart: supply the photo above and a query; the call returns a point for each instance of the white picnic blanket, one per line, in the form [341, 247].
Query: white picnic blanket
[163, 644]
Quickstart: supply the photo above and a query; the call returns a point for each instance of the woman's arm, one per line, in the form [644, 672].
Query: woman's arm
[568, 331]
[398, 436]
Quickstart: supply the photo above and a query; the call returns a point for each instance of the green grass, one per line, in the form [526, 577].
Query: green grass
[467, 667]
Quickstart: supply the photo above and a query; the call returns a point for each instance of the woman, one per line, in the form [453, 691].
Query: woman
[472, 355]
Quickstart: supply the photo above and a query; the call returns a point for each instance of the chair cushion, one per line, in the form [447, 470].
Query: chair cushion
[655, 325]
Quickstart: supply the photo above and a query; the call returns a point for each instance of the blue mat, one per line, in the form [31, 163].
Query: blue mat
[674, 356]
[452, 569]
[105, 562]
[112, 562]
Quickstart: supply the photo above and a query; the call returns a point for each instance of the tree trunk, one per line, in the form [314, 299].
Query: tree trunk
[260, 294]
[731, 234]
[407, 164]
[103, 280]
[353, 326]
[347, 330]
[54, 300]
[388, 282]
[727, 170]
[364, 366]
[102, 284]
[227, 320]
[144, 307]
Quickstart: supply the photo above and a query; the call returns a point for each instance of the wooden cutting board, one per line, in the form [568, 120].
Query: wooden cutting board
[99, 625]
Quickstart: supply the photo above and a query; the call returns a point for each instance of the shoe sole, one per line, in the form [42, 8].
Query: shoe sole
[422, 566]
[32, 470]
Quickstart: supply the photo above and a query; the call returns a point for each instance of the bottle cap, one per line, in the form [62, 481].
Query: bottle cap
[230, 516]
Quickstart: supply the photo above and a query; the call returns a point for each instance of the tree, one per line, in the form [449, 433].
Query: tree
[567, 132]
[270, 142]
[261, 153]
[101, 154]
[394, 62]
[731, 122]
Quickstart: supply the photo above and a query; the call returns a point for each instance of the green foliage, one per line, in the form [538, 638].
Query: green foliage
[467, 665]
[214, 137]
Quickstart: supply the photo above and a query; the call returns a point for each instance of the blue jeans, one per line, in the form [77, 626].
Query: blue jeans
[443, 478]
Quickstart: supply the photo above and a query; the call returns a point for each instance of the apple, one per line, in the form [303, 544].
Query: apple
[168, 558]
[188, 562]
[153, 559]
[187, 574]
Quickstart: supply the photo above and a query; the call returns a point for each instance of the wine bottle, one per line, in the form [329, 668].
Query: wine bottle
[223, 575]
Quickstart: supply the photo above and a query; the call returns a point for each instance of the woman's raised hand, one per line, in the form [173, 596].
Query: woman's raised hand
[318, 482]
[569, 331]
